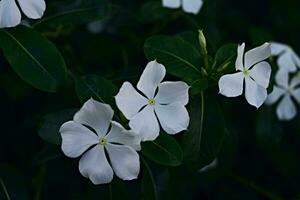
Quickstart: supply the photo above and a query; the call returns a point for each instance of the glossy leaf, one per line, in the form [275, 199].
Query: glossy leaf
[149, 191]
[35, 59]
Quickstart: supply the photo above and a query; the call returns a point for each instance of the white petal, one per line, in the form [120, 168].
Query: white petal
[95, 115]
[286, 109]
[171, 3]
[124, 160]
[173, 118]
[282, 78]
[10, 15]
[275, 95]
[129, 101]
[257, 55]
[170, 92]
[295, 82]
[153, 74]
[94, 165]
[261, 74]
[76, 139]
[296, 95]
[278, 48]
[118, 134]
[231, 85]
[286, 62]
[296, 59]
[255, 94]
[33, 9]
[239, 63]
[192, 6]
[145, 123]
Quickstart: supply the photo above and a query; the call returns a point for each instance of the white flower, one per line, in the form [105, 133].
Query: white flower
[91, 133]
[165, 101]
[10, 14]
[253, 71]
[189, 6]
[286, 109]
[287, 60]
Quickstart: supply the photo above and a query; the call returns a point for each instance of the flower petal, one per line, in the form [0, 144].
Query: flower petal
[296, 95]
[145, 123]
[285, 62]
[275, 95]
[129, 101]
[95, 115]
[295, 82]
[153, 74]
[118, 134]
[239, 63]
[76, 139]
[94, 165]
[192, 6]
[282, 78]
[278, 48]
[171, 3]
[261, 73]
[173, 118]
[286, 109]
[124, 160]
[255, 94]
[33, 9]
[10, 15]
[231, 85]
[170, 92]
[257, 55]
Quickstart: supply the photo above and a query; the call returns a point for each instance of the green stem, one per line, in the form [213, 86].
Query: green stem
[4, 189]
[110, 191]
[201, 119]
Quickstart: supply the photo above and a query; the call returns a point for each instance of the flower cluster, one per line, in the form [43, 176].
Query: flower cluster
[189, 6]
[92, 132]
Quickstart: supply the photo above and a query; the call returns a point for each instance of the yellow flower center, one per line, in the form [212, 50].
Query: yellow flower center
[245, 72]
[102, 141]
[290, 90]
[151, 102]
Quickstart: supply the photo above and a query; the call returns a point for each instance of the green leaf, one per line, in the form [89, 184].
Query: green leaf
[96, 87]
[49, 130]
[74, 12]
[149, 191]
[164, 150]
[206, 132]
[179, 57]
[35, 59]
[225, 57]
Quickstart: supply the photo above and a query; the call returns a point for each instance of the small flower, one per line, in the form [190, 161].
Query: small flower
[286, 109]
[92, 133]
[254, 71]
[287, 60]
[10, 14]
[164, 102]
[189, 6]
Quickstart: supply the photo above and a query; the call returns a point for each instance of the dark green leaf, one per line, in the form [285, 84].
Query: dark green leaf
[152, 11]
[206, 132]
[49, 130]
[35, 59]
[180, 57]
[96, 87]
[225, 57]
[74, 12]
[164, 150]
[149, 191]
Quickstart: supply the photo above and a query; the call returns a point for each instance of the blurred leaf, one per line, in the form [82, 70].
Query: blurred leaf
[152, 11]
[149, 191]
[206, 132]
[164, 150]
[225, 57]
[74, 12]
[96, 87]
[179, 57]
[35, 59]
[49, 131]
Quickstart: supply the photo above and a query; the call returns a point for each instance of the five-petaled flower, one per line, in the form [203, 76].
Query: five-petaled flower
[161, 102]
[253, 71]
[10, 14]
[92, 133]
[189, 6]
[286, 109]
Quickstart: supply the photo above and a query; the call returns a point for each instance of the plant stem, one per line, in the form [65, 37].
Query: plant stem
[201, 119]
[4, 189]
